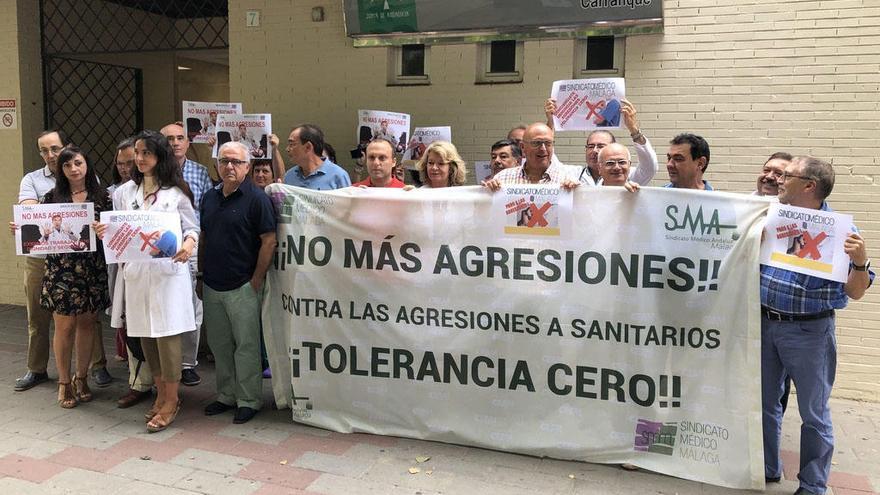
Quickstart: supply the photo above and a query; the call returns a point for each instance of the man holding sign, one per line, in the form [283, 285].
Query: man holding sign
[797, 333]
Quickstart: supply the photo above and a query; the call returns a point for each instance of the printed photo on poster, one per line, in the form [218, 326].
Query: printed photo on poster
[137, 236]
[588, 104]
[374, 124]
[252, 130]
[806, 241]
[54, 228]
[422, 137]
[534, 210]
[200, 118]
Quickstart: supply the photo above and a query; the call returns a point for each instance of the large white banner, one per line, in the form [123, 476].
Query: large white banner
[635, 338]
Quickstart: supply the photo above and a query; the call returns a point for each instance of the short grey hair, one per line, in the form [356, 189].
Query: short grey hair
[820, 171]
[237, 145]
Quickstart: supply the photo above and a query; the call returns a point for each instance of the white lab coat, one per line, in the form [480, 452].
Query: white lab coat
[154, 290]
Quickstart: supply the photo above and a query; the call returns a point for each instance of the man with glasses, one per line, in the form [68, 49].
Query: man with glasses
[196, 177]
[797, 334]
[34, 186]
[598, 139]
[768, 180]
[539, 167]
[237, 244]
[687, 161]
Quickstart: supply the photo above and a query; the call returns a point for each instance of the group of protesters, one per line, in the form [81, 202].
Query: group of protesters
[229, 239]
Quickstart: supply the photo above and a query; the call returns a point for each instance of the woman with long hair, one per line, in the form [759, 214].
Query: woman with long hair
[441, 166]
[155, 288]
[75, 284]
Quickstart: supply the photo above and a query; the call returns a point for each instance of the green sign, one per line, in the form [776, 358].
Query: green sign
[387, 16]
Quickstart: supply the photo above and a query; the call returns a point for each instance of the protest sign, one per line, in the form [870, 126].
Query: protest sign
[588, 104]
[635, 340]
[482, 170]
[54, 228]
[422, 137]
[532, 210]
[251, 130]
[392, 126]
[200, 118]
[807, 241]
[142, 235]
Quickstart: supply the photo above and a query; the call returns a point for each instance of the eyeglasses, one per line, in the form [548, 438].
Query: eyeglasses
[611, 163]
[786, 176]
[227, 161]
[54, 150]
[539, 144]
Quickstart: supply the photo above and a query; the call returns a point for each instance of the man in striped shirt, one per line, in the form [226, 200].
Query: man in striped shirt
[797, 334]
[539, 167]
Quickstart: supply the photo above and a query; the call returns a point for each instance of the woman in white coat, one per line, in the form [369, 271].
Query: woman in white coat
[153, 289]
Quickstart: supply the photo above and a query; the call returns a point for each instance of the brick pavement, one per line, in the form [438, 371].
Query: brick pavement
[97, 448]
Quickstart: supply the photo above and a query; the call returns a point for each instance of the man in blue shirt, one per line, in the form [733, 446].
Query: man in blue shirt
[196, 177]
[305, 147]
[687, 161]
[797, 334]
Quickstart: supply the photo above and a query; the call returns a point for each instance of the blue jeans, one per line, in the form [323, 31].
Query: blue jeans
[807, 352]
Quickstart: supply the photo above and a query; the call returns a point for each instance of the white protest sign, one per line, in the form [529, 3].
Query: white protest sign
[251, 130]
[393, 126]
[532, 210]
[140, 235]
[807, 241]
[588, 104]
[482, 170]
[636, 339]
[8, 113]
[54, 228]
[424, 136]
[200, 118]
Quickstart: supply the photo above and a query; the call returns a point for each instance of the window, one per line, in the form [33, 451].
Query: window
[599, 56]
[408, 65]
[500, 62]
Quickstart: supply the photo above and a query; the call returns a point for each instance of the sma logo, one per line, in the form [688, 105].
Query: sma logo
[694, 221]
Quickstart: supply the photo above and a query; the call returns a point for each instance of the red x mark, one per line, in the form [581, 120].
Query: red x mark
[538, 215]
[594, 109]
[149, 239]
[811, 245]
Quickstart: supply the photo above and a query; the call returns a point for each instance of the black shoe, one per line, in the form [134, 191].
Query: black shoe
[804, 491]
[29, 380]
[189, 377]
[217, 407]
[243, 415]
[772, 479]
[101, 377]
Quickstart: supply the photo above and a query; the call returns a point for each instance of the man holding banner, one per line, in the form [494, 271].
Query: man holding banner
[797, 332]
[539, 167]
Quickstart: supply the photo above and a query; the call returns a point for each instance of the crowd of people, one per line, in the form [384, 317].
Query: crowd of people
[229, 240]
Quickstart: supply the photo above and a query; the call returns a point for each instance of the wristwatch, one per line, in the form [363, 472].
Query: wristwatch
[637, 136]
[862, 268]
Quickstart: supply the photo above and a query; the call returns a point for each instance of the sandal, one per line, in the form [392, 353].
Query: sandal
[81, 389]
[161, 421]
[66, 399]
[152, 412]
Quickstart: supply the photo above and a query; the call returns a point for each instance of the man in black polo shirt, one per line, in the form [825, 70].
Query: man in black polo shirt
[237, 244]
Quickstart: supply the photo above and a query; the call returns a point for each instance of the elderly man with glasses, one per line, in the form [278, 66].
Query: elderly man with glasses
[237, 244]
[797, 334]
[539, 166]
